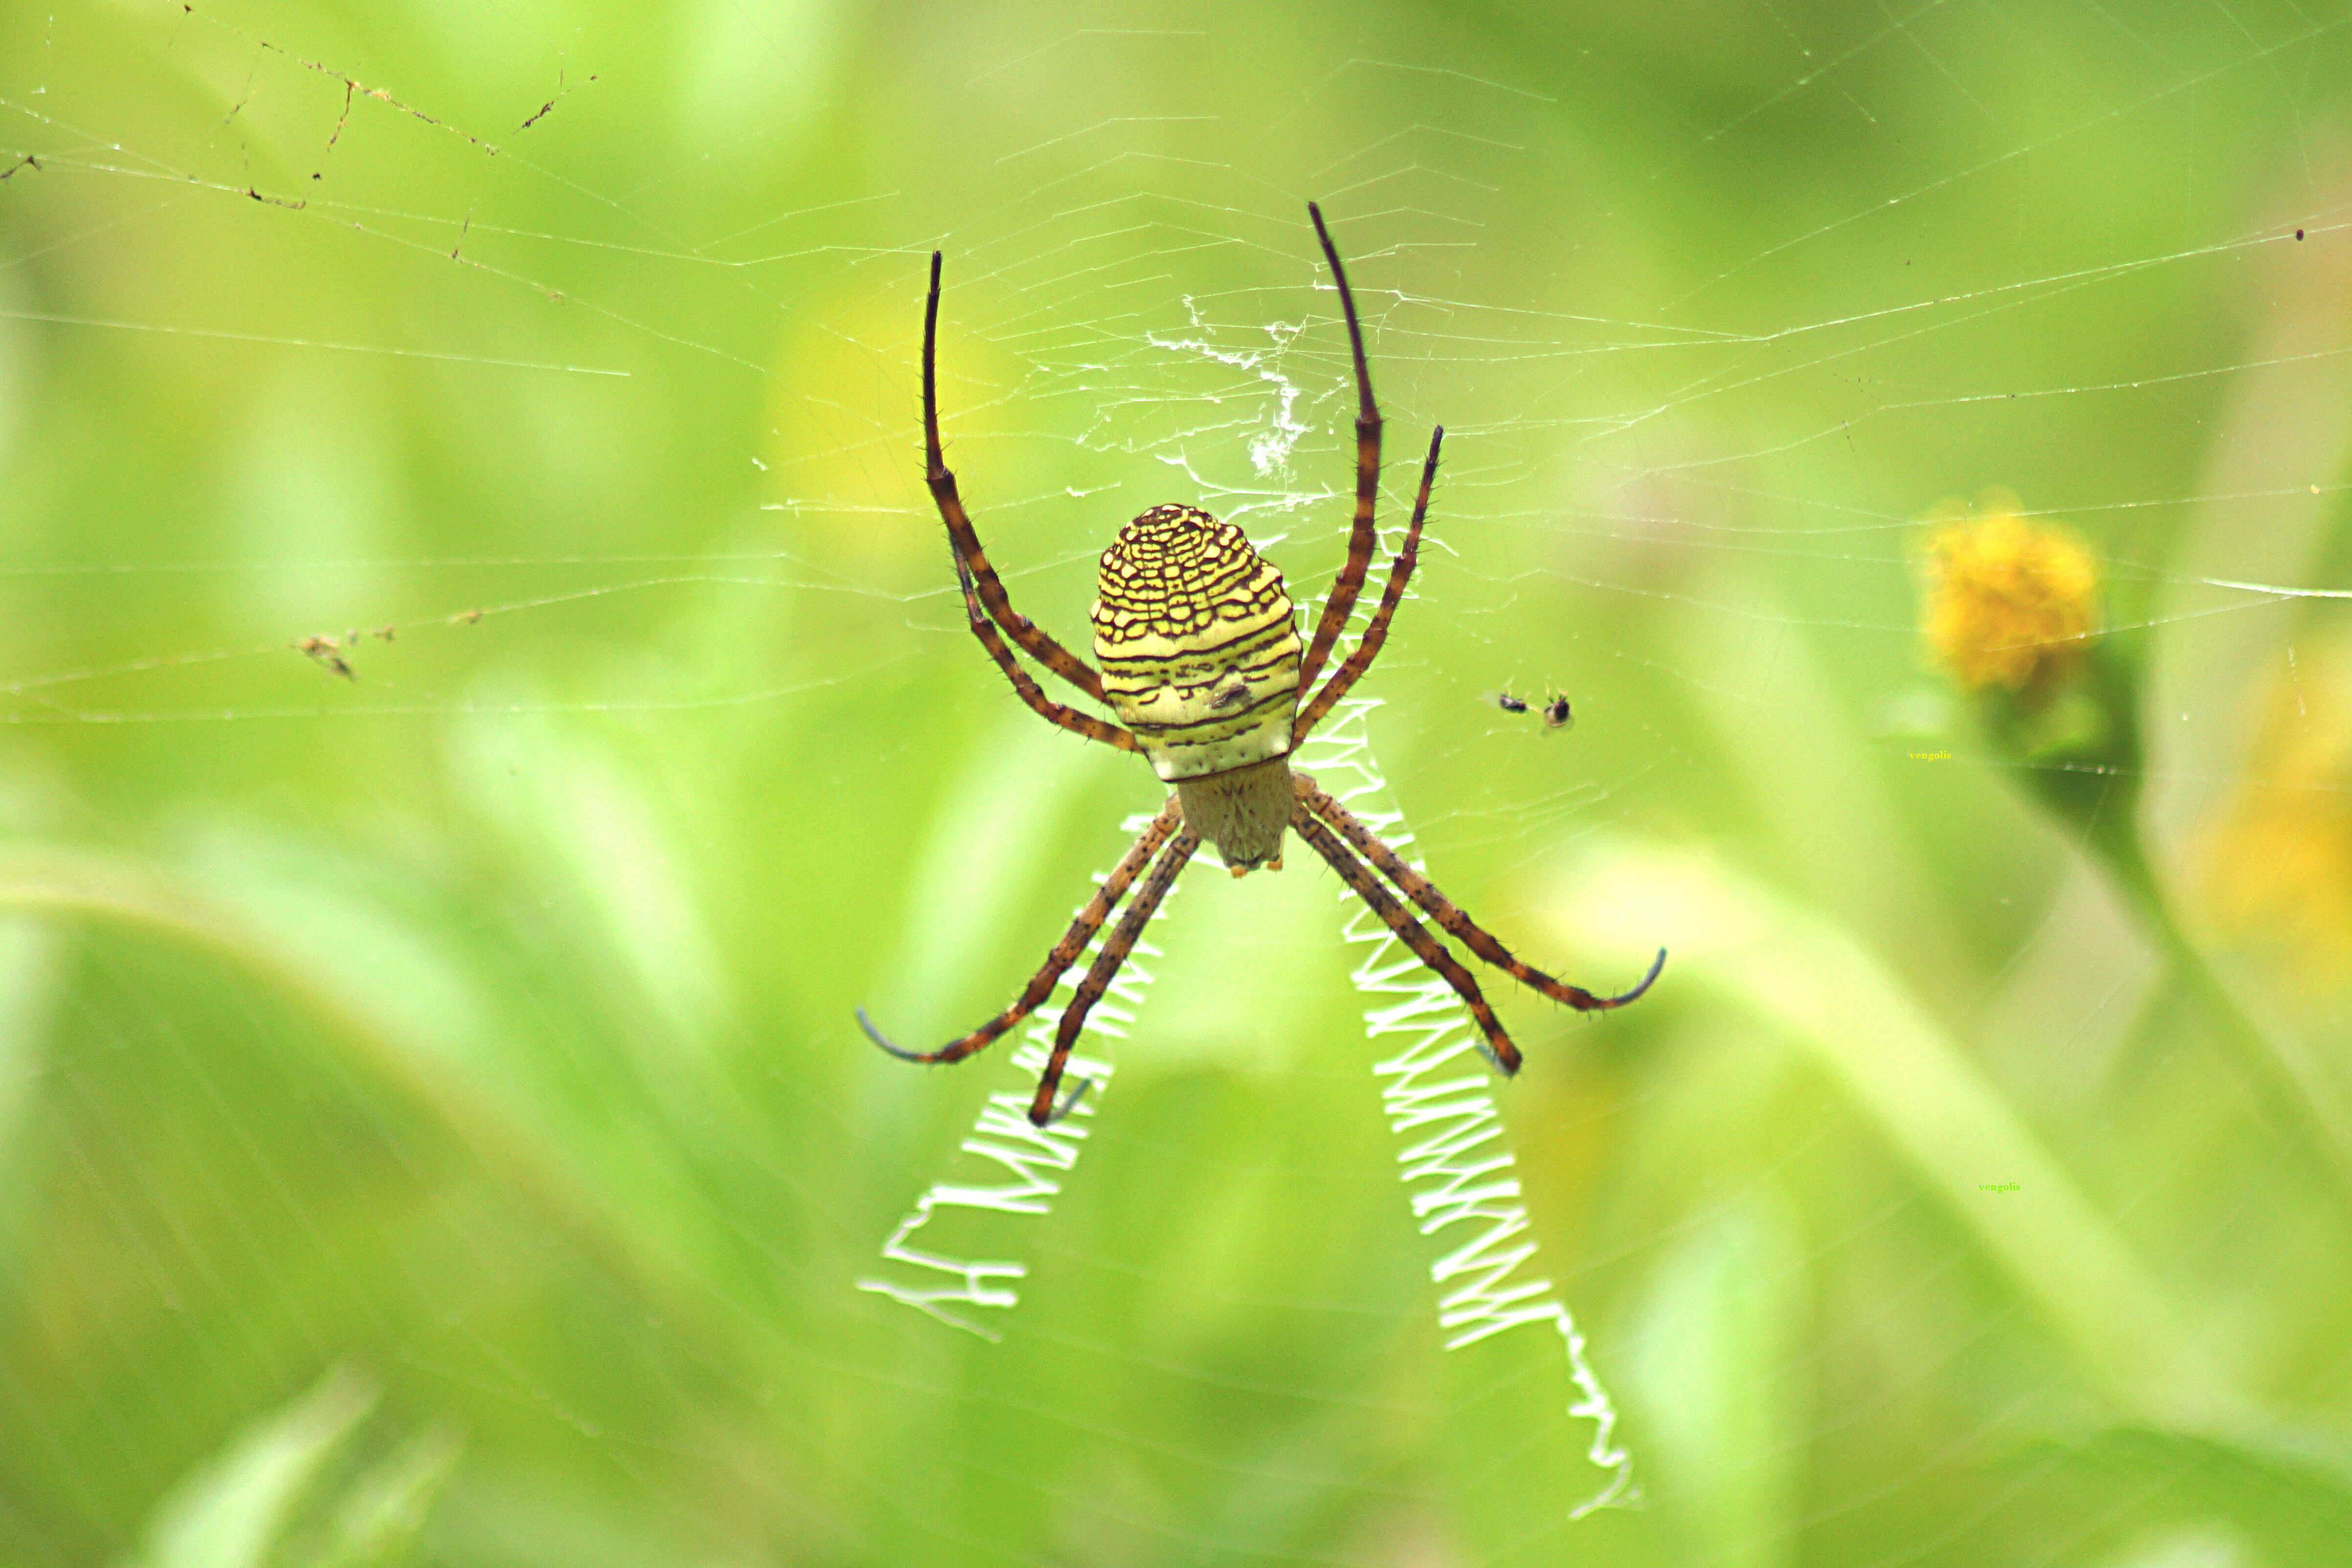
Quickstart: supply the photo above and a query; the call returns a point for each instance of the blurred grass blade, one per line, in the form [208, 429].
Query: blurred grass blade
[380, 1514]
[233, 1510]
[397, 1049]
[580, 817]
[1714, 1352]
[30, 982]
[2287, 1508]
[1900, 1069]
[1007, 808]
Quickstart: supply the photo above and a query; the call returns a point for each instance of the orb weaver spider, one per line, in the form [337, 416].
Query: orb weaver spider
[1200, 654]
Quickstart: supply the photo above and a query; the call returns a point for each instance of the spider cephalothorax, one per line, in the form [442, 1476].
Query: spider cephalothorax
[1200, 656]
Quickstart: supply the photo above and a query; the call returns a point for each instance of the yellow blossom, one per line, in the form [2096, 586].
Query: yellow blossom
[2278, 858]
[2010, 603]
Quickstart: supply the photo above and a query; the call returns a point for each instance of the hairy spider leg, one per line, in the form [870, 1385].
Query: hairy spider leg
[1065, 951]
[1070, 718]
[1362, 538]
[1460, 926]
[1043, 1112]
[1033, 641]
[1368, 646]
[1426, 947]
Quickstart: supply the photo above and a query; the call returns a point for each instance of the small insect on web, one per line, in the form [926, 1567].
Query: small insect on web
[1200, 654]
[1557, 715]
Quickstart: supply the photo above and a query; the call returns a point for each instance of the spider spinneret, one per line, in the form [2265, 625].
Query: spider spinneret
[1200, 656]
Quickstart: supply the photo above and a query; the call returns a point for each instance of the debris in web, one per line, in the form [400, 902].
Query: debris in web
[328, 654]
[562, 93]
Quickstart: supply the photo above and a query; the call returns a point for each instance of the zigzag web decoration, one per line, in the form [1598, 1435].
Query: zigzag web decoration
[1034, 1157]
[1453, 1161]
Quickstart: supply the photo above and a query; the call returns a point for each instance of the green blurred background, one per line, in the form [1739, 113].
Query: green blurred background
[432, 1126]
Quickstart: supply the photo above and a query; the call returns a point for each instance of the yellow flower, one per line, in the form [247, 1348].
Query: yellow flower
[2010, 603]
[2278, 856]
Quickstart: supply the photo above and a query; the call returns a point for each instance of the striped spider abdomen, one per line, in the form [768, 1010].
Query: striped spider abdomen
[1198, 644]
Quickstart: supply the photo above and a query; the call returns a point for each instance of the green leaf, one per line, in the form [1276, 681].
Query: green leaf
[378, 1515]
[233, 1508]
[1714, 1348]
[1866, 1032]
[2293, 1512]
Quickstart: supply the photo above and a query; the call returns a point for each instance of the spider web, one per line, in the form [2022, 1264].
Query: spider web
[1452, 1155]
[487, 697]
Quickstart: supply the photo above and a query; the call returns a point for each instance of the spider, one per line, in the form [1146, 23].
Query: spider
[1200, 656]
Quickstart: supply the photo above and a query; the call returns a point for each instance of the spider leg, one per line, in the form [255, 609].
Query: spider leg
[1399, 573]
[1465, 930]
[1362, 537]
[1413, 934]
[1036, 642]
[1065, 951]
[1068, 718]
[1043, 1111]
